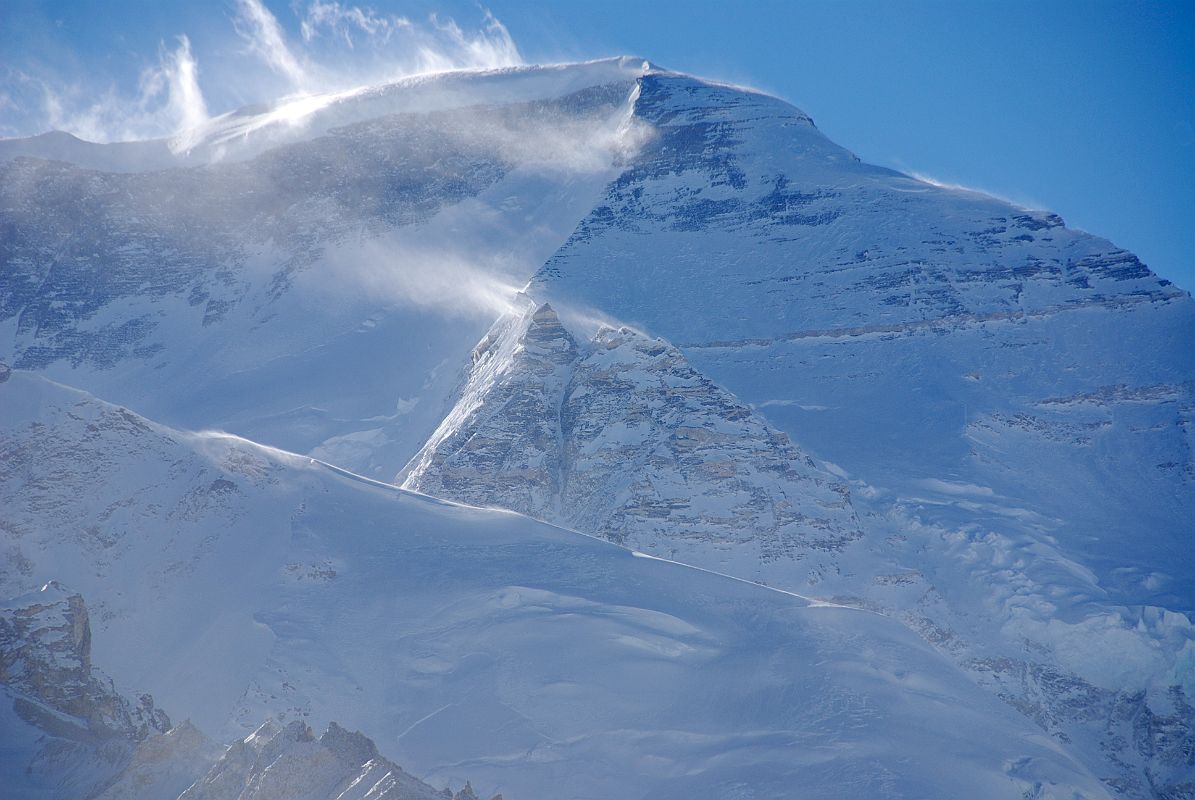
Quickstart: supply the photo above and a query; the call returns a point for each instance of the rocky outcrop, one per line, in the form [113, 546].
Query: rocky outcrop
[164, 766]
[85, 740]
[288, 762]
[45, 662]
[1150, 753]
[620, 437]
[76, 734]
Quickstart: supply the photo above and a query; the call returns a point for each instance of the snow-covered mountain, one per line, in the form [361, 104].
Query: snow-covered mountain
[736, 346]
[1011, 399]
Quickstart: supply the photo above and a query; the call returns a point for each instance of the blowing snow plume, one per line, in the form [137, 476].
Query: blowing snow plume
[533, 169]
[333, 47]
[168, 98]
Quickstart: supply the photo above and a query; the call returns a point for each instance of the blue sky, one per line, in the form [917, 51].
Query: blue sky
[1085, 108]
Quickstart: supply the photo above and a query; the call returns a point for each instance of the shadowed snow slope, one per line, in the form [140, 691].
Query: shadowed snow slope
[238, 582]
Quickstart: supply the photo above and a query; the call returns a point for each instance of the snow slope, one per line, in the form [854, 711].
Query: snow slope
[236, 582]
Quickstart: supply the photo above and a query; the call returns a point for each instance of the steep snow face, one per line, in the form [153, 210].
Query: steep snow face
[938, 344]
[372, 250]
[619, 437]
[733, 179]
[479, 643]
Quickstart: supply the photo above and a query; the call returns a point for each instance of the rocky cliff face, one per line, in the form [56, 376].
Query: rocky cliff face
[45, 660]
[619, 437]
[76, 733]
[84, 741]
[1149, 742]
[288, 762]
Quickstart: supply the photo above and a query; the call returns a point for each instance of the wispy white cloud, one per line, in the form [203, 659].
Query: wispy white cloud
[262, 33]
[451, 48]
[465, 260]
[339, 46]
[1023, 202]
[398, 46]
[168, 99]
[342, 21]
[411, 273]
[177, 77]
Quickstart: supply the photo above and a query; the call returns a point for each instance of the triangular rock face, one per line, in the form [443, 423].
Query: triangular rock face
[620, 437]
[500, 445]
